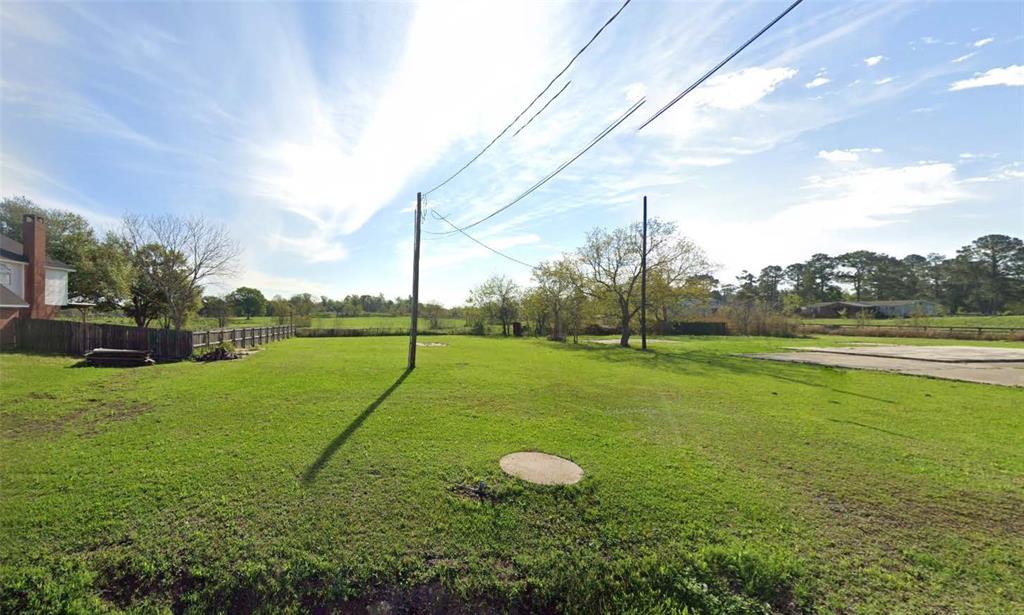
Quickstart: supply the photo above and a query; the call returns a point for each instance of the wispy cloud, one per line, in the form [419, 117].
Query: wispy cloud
[874, 60]
[817, 82]
[984, 41]
[963, 58]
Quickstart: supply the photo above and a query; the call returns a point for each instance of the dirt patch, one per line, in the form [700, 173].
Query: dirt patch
[431, 344]
[541, 468]
[91, 420]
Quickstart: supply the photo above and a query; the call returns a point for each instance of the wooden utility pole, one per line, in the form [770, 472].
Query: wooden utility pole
[643, 285]
[415, 285]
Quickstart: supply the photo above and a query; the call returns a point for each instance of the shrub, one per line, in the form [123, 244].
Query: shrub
[756, 319]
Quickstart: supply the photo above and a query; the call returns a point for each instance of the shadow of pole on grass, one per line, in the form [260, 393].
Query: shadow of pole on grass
[310, 474]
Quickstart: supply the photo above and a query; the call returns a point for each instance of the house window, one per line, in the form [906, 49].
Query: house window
[6, 275]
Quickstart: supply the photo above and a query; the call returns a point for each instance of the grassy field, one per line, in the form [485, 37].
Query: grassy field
[931, 321]
[316, 472]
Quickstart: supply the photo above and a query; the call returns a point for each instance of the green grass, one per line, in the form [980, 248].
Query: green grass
[931, 321]
[314, 472]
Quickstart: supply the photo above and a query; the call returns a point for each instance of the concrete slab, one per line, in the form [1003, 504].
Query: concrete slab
[1006, 373]
[541, 468]
[941, 354]
[633, 341]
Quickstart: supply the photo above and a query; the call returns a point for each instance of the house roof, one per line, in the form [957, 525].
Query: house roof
[15, 251]
[10, 299]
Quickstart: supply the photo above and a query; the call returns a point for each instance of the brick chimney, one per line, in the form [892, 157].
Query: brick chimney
[33, 234]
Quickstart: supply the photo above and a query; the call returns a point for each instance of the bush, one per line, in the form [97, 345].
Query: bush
[756, 319]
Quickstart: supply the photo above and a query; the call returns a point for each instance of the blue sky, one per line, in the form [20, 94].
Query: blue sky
[308, 128]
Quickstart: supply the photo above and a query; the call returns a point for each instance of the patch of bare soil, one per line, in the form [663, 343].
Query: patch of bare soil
[427, 599]
[90, 419]
[431, 344]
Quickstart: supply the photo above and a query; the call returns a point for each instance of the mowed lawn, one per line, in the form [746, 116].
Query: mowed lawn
[314, 473]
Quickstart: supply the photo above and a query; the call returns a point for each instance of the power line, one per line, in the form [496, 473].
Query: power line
[720, 64]
[604, 133]
[550, 100]
[536, 98]
[502, 254]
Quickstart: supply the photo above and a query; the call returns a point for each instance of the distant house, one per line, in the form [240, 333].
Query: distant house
[900, 308]
[32, 285]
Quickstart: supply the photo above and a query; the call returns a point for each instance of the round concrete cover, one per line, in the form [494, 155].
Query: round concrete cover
[541, 468]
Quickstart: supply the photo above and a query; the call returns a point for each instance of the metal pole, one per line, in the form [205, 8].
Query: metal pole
[415, 285]
[643, 285]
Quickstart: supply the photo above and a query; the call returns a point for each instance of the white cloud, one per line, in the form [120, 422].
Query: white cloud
[635, 91]
[847, 155]
[1012, 171]
[984, 41]
[742, 88]
[874, 197]
[817, 82]
[883, 81]
[966, 56]
[697, 161]
[1009, 76]
[839, 155]
[874, 60]
[336, 166]
[930, 40]
[315, 248]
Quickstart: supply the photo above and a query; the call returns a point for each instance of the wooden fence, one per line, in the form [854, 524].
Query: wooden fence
[244, 337]
[74, 338]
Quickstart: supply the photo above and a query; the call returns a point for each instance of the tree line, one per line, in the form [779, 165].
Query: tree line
[985, 276]
[157, 269]
[153, 267]
[600, 281]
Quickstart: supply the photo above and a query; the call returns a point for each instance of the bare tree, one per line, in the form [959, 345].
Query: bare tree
[197, 252]
[609, 264]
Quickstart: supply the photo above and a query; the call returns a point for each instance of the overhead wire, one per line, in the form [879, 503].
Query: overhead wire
[535, 99]
[604, 133]
[711, 72]
[478, 242]
[550, 100]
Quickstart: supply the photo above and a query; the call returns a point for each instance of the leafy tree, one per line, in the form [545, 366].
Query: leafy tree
[302, 304]
[556, 286]
[192, 252]
[535, 309]
[1000, 261]
[216, 307]
[768, 282]
[146, 300]
[279, 308]
[857, 269]
[498, 300]
[247, 302]
[609, 265]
